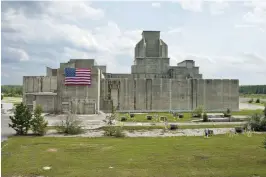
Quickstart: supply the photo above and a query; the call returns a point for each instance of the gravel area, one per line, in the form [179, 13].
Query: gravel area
[151, 133]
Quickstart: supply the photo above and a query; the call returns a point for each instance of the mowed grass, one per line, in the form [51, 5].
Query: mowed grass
[219, 156]
[142, 117]
[248, 112]
[146, 128]
[187, 116]
[263, 96]
[14, 100]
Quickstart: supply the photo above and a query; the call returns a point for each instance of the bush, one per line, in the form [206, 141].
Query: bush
[227, 113]
[123, 119]
[173, 127]
[114, 131]
[264, 144]
[198, 111]
[239, 129]
[38, 123]
[21, 121]
[258, 100]
[205, 117]
[2, 97]
[71, 125]
[264, 111]
[149, 117]
[257, 122]
[132, 115]
[251, 100]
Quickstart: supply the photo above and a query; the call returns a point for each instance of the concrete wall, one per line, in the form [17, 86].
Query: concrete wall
[74, 97]
[216, 94]
[174, 94]
[47, 102]
[39, 84]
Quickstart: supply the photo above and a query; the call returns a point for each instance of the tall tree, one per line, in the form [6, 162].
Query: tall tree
[21, 121]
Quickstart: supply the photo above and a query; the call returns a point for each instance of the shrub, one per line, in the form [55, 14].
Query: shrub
[175, 114]
[264, 143]
[21, 121]
[149, 117]
[114, 131]
[132, 115]
[71, 125]
[257, 122]
[239, 129]
[205, 117]
[123, 119]
[198, 111]
[264, 111]
[227, 113]
[251, 100]
[258, 100]
[2, 97]
[173, 127]
[38, 123]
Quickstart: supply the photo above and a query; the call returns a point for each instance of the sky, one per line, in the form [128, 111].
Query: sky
[226, 39]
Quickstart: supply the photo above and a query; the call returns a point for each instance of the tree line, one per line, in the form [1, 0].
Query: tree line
[11, 90]
[16, 90]
[252, 89]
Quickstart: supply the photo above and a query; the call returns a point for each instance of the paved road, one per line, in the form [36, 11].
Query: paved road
[5, 130]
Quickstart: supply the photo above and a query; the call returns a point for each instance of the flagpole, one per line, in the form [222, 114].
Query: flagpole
[99, 84]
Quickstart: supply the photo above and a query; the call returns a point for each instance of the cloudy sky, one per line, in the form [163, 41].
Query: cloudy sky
[226, 39]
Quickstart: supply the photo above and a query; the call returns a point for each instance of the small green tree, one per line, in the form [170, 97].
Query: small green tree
[251, 100]
[264, 143]
[38, 123]
[205, 117]
[21, 121]
[258, 100]
[198, 111]
[264, 111]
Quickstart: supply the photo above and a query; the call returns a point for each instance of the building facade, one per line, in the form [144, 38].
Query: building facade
[152, 85]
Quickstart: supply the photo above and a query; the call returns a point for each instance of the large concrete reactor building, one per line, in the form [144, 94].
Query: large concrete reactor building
[152, 85]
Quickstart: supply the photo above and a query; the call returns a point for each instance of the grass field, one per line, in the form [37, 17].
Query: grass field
[142, 117]
[263, 96]
[14, 100]
[219, 156]
[248, 112]
[170, 118]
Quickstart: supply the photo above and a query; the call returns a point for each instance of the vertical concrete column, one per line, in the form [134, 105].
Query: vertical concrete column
[170, 94]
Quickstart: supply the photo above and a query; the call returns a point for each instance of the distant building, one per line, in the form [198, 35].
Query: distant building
[152, 85]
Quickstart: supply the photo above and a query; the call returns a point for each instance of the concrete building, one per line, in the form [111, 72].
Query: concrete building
[152, 85]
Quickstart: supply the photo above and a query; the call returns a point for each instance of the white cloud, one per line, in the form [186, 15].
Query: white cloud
[156, 4]
[257, 14]
[192, 5]
[74, 11]
[218, 7]
[10, 54]
[60, 40]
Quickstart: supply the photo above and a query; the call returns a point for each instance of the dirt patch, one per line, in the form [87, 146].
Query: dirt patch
[52, 150]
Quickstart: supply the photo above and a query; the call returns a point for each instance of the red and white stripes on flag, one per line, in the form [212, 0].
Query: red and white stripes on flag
[77, 76]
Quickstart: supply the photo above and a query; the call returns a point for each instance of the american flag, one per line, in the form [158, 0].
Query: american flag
[77, 76]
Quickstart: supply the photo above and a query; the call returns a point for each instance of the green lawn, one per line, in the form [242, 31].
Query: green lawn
[220, 156]
[142, 117]
[14, 100]
[137, 128]
[187, 116]
[253, 96]
[248, 112]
